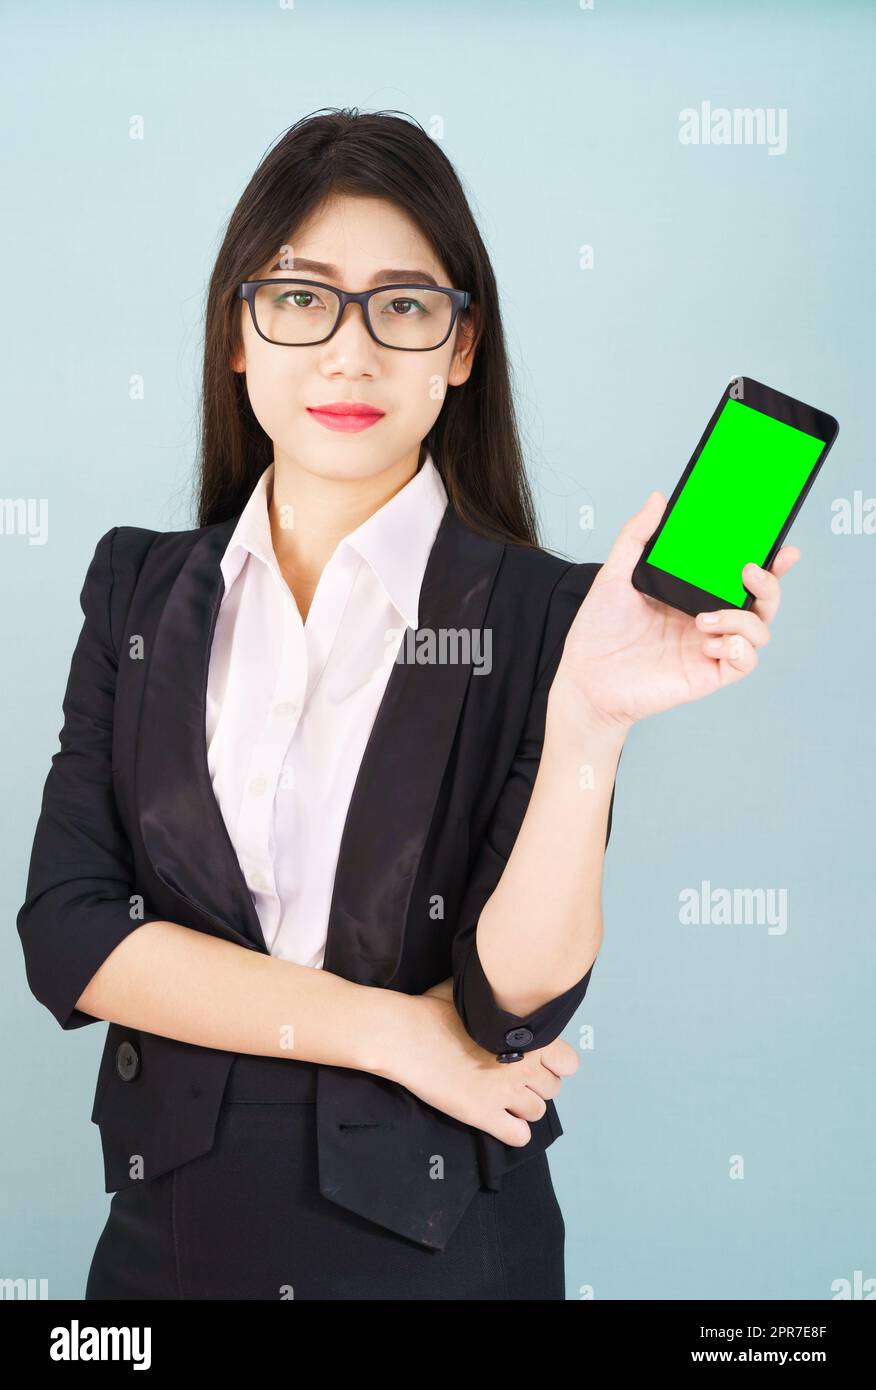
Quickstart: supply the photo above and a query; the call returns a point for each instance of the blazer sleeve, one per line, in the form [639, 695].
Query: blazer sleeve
[78, 903]
[493, 1028]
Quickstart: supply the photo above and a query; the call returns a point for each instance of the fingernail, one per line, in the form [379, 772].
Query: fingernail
[710, 617]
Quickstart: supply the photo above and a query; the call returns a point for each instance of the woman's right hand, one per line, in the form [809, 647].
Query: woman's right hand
[445, 1067]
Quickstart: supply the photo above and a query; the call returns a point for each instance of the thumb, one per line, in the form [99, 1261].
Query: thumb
[633, 536]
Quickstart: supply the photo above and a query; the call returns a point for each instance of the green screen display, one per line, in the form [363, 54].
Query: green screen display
[736, 500]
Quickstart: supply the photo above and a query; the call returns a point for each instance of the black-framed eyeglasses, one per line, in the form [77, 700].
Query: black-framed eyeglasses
[299, 313]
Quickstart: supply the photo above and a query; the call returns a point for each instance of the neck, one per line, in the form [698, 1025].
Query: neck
[310, 515]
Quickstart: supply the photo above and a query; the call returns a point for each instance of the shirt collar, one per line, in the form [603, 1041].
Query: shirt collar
[395, 540]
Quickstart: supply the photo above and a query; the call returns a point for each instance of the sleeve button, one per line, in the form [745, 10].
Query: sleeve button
[519, 1037]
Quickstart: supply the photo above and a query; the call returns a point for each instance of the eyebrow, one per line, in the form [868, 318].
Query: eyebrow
[380, 277]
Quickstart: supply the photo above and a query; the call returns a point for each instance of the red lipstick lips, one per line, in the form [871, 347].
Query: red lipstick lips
[347, 416]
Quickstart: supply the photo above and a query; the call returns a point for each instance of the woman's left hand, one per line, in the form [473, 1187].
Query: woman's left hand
[627, 655]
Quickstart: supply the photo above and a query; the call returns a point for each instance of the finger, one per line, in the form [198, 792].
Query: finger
[726, 621]
[632, 537]
[544, 1080]
[735, 650]
[511, 1130]
[559, 1058]
[764, 584]
[546, 1085]
[552, 1072]
[785, 559]
[527, 1105]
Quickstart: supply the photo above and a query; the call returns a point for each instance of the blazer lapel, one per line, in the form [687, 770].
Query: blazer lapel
[400, 775]
[396, 790]
[181, 824]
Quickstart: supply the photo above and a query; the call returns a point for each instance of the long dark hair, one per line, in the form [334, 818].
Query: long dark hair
[474, 441]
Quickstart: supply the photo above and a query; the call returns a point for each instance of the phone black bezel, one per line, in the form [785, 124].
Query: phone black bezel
[678, 593]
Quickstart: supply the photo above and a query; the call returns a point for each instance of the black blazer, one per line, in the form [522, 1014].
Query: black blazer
[128, 809]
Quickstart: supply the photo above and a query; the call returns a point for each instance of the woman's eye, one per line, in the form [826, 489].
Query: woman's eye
[394, 303]
[296, 299]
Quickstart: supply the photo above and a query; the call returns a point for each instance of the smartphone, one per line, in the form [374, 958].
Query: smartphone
[737, 498]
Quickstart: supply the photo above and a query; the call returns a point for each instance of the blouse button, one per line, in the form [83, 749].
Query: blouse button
[258, 785]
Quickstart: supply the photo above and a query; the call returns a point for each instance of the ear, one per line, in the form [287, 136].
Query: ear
[467, 337]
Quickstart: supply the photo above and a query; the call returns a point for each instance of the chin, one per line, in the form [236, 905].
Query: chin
[342, 462]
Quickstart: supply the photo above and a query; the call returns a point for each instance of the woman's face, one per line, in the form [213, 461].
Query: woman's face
[356, 240]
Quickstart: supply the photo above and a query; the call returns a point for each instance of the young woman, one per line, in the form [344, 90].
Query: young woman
[324, 839]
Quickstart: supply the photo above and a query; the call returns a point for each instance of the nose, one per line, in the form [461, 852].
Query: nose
[351, 347]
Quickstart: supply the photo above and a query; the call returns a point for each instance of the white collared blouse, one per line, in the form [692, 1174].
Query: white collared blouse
[291, 704]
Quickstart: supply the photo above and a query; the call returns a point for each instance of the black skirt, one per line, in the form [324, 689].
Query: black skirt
[247, 1220]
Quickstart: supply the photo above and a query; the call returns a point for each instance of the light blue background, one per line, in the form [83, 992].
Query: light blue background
[709, 261]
